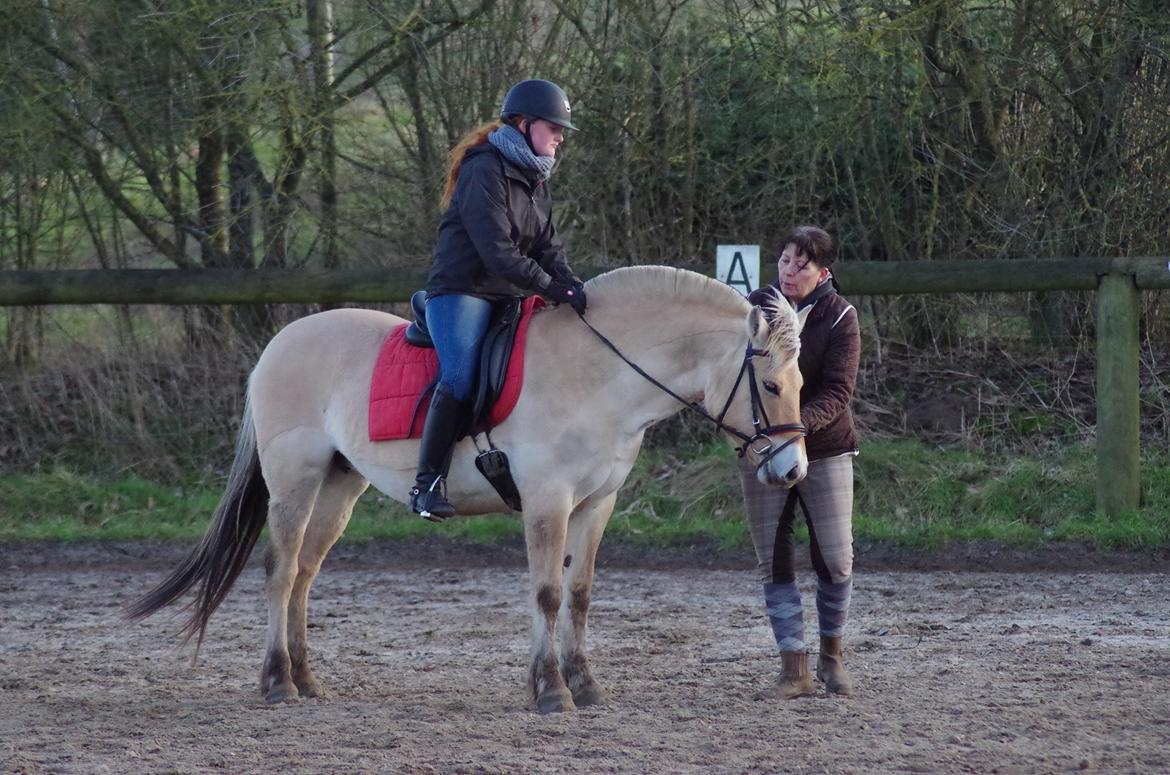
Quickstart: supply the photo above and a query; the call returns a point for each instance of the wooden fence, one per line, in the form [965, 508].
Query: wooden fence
[1117, 281]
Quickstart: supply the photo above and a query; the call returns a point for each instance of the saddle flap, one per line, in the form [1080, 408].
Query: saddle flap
[495, 356]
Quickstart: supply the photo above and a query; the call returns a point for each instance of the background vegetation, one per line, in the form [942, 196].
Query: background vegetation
[313, 133]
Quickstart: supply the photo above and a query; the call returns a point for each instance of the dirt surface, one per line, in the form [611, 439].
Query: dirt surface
[983, 669]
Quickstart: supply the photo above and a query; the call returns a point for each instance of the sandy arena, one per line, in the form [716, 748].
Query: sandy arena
[969, 671]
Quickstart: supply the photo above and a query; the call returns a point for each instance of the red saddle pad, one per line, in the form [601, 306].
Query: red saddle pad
[403, 371]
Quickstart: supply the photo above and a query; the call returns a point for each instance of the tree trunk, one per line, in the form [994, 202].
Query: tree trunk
[320, 17]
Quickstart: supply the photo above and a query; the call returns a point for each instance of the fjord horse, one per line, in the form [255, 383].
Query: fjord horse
[304, 454]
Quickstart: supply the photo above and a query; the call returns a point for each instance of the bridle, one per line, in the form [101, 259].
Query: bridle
[760, 424]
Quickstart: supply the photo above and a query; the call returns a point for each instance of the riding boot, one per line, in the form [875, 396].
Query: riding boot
[830, 668]
[795, 679]
[447, 421]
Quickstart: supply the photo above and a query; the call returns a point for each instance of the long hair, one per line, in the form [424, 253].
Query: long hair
[477, 136]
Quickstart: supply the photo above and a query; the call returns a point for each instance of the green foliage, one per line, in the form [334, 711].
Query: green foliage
[907, 493]
[64, 506]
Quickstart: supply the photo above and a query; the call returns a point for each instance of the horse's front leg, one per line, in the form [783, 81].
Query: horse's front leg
[544, 533]
[586, 525]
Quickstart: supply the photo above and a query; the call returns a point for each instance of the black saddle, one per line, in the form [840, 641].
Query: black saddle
[493, 369]
[493, 357]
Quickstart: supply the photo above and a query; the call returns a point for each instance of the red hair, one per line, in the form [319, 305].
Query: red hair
[477, 136]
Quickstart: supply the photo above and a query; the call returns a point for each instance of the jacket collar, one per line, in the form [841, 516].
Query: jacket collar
[824, 289]
[511, 170]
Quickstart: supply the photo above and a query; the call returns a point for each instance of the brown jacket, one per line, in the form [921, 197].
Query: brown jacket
[830, 348]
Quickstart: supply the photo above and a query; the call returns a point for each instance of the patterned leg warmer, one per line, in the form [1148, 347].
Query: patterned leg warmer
[786, 615]
[833, 606]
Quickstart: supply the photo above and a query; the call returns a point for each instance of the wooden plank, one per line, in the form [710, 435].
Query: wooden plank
[267, 286]
[208, 286]
[867, 278]
[1118, 402]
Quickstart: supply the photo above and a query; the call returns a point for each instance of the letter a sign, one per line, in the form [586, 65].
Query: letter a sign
[738, 266]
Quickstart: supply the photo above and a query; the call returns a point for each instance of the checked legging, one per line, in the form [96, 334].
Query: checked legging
[825, 497]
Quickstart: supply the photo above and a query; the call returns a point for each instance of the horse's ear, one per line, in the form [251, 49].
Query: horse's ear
[757, 325]
[802, 316]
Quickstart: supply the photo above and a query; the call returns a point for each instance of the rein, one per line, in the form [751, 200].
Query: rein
[761, 428]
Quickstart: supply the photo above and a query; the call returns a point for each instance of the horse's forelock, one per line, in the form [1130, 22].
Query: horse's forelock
[783, 328]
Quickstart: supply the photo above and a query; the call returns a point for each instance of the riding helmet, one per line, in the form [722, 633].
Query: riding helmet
[536, 98]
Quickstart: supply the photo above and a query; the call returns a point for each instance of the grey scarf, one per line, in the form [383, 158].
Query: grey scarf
[511, 143]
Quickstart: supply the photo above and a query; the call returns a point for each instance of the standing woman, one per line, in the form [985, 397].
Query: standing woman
[830, 347]
[496, 241]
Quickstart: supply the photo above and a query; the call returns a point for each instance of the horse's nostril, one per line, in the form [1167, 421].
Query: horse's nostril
[792, 475]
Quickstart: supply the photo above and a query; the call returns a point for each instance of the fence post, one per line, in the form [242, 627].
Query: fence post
[1118, 402]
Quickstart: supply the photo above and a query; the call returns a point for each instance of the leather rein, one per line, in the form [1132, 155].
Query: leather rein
[760, 422]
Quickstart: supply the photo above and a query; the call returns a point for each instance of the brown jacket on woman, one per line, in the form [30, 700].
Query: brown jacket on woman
[830, 349]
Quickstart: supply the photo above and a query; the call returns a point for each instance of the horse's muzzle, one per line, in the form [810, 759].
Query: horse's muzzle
[785, 468]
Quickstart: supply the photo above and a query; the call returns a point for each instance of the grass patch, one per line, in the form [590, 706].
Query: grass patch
[907, 493]
[63, 506]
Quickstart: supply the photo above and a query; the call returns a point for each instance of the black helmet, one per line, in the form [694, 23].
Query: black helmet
[538, 99]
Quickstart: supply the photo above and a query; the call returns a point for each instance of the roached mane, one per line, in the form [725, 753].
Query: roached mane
[647, 283]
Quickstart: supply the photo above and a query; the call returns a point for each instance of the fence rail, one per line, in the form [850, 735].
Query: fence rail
[307, 286]
[1117, 281]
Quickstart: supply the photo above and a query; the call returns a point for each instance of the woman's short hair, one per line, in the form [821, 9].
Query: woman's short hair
[812, 241]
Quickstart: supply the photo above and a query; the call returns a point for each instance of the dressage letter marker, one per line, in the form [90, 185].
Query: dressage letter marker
[738, 266]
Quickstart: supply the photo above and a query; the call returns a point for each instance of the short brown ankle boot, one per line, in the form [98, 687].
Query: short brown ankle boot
[830, 668]
[795, 679]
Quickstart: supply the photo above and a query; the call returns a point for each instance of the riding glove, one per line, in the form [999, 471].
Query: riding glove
[566, 293]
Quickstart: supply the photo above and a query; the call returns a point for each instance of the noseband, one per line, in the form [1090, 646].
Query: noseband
[760, 424]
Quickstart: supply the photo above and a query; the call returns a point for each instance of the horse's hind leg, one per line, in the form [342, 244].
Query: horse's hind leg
[584, 534]
[331, 514]
[295, 464]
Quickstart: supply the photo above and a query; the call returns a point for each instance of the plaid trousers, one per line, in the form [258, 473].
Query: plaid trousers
[825, 497]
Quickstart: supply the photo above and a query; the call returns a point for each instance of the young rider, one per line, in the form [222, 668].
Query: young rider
[496, 241]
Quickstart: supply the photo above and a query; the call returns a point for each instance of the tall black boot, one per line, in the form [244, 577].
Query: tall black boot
[446, 423]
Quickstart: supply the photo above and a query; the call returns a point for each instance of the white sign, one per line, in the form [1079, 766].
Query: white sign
[738, 266]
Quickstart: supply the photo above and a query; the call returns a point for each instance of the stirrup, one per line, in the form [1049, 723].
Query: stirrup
[431, 504]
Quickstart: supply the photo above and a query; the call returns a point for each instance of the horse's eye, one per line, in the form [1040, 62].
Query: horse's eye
[771, 388]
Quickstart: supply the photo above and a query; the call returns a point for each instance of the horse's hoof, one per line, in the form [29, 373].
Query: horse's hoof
[312, 690]
[555, 702]
[281, 693]
[590, 695]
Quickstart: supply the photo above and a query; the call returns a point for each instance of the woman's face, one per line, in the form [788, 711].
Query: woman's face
[798, 275]
[546, 137]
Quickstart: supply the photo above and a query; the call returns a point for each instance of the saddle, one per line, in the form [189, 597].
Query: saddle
[407, 370]
[494, 356]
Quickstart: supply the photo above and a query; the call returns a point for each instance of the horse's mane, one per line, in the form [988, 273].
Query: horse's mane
[646, 284]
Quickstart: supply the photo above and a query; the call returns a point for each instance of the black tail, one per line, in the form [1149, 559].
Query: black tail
[220, 557]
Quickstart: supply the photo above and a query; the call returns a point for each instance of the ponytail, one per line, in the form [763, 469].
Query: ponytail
[477, 136]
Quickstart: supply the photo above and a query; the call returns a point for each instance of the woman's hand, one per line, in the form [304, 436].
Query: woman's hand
[572, 294]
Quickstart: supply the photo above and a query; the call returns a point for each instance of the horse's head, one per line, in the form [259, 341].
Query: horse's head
[772, 403]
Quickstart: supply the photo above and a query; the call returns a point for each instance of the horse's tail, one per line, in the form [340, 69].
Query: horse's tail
[220, 557]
